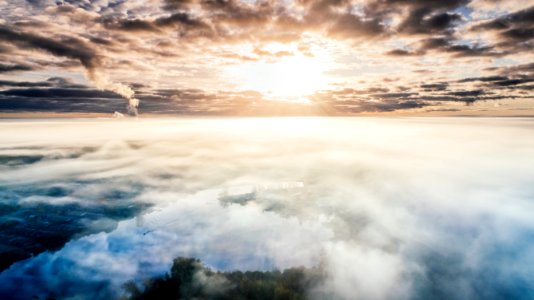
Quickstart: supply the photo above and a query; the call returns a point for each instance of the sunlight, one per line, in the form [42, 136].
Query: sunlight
[290, 78]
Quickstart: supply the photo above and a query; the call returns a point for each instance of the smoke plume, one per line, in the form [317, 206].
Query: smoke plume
[73, 48]
[103, 82]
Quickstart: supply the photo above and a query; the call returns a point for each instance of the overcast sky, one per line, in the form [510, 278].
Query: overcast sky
[245, 57]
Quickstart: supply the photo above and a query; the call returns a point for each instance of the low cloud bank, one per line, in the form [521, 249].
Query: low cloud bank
[390, 208]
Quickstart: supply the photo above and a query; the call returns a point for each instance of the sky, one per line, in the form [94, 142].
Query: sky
[245, 57]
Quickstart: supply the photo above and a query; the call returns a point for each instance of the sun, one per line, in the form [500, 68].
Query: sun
[289, 78]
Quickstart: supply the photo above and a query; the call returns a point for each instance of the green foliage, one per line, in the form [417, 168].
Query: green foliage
[189, 279]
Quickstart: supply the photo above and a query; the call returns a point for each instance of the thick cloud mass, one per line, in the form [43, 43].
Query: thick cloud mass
[390, 208]
[227, 57]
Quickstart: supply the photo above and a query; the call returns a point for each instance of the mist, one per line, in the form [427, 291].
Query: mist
[389, 208]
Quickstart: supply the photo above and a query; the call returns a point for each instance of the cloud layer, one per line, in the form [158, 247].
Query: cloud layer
[164, 49]
[445, 213]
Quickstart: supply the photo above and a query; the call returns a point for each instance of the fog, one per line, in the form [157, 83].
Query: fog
[391, 208]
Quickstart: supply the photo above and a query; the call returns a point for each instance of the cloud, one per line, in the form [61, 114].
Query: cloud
[512, 20]
[419, 23]
[383, 221]
[5, 68]
[58, 94]
[68, 47]
[435, 86]
[134, 25]
[190, 45]
[401, 52]
[73, 48]
[447, 45]
[354, 27]
[512, 31]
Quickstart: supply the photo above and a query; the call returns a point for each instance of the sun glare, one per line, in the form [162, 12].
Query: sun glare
[290, 78]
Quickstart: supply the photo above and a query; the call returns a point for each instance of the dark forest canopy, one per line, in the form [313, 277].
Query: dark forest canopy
[190, 279]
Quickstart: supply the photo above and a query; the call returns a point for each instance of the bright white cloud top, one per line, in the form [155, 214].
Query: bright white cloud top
[392, 208]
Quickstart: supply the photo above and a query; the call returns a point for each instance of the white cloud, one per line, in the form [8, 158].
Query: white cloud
[393, 208]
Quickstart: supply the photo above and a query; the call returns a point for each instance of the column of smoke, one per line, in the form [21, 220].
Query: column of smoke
[102, 82]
